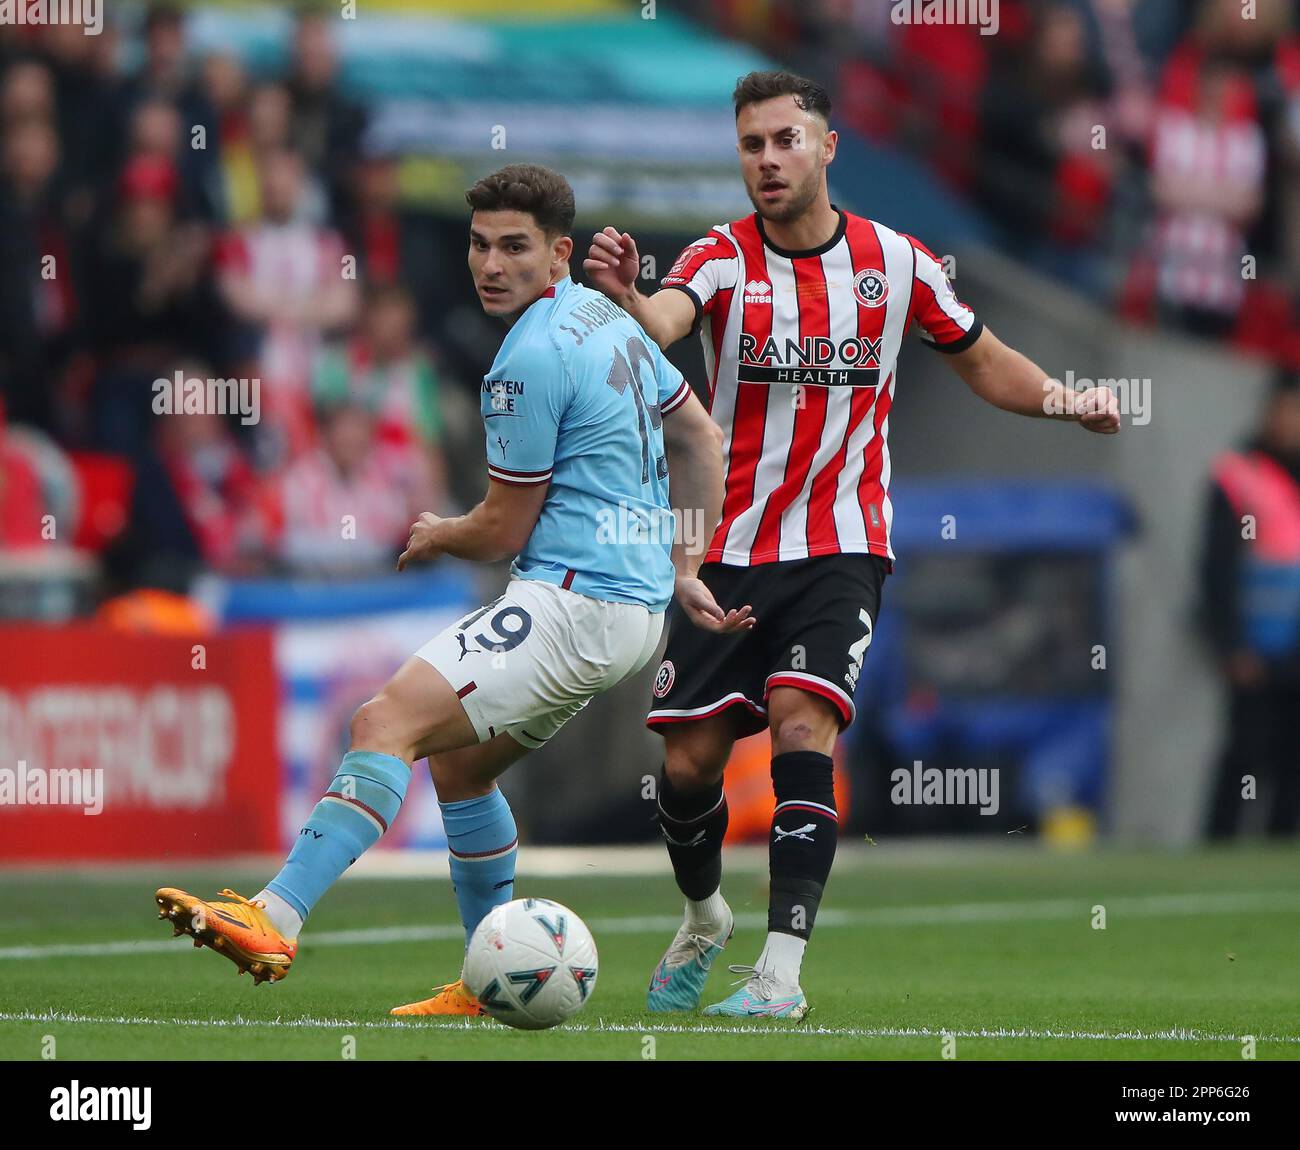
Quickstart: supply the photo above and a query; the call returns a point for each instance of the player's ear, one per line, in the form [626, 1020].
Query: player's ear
[562, 249]
[829, 141]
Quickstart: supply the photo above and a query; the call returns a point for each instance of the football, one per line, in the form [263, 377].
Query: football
[532, 963]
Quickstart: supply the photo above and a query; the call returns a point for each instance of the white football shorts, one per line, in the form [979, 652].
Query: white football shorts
[531, 660]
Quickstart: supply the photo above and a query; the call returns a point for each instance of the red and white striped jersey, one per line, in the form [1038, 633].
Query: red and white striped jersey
[801, 349]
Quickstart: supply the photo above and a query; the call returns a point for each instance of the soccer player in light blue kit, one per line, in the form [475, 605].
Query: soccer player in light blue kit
[578, 463]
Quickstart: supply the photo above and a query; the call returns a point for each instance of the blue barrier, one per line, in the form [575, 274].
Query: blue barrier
[281, 600]
[1008, 516]
[1059, 741]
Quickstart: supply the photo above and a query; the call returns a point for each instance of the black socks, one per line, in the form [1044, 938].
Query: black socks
[802, 845]
[694, 825]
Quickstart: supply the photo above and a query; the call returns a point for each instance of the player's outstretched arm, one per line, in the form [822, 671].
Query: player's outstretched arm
[1000, 375]
[694, 446]
[612, 266]
[496, 529]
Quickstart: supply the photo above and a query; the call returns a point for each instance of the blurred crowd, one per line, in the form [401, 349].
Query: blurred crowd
[1145, 151]
[183, 219]
[164, 212]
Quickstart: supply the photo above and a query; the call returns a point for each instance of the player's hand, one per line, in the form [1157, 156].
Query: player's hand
[420, 546]
[612, 264]
[702, 609]
[1098, 410]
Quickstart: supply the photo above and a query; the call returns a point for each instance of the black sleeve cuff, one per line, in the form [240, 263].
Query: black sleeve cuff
[977, 329]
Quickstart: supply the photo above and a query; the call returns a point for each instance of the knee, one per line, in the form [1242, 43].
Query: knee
[373, 728]
[693, 772]
[801, 721]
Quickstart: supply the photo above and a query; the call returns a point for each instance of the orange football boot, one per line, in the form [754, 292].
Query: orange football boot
[454, 998]
[240, 929]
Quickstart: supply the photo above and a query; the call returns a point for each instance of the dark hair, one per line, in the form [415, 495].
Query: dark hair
[1286, 381]
[388, 293]
[542, 193]
[164, 14]
[759, 86]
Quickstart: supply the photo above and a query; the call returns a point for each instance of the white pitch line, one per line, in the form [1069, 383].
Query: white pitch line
[955, 914]
[1178, 1034]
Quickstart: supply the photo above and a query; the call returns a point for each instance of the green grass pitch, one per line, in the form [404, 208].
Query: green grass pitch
[995, 946]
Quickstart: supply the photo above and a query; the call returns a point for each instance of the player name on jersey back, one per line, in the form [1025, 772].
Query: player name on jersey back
[575, 402]
[801, 349]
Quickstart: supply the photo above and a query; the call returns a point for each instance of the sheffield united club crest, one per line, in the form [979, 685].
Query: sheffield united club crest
[871, 287]
[664, 678]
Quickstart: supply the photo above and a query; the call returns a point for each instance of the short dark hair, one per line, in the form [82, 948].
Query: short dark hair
[163, 14]
[382, 294]
[1286, 381]
[542, 193]
[759, 86]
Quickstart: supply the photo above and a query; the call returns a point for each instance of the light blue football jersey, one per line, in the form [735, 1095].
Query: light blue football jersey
[576, 398]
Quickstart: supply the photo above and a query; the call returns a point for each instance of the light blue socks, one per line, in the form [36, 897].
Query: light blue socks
[482, 842]
[359, 806]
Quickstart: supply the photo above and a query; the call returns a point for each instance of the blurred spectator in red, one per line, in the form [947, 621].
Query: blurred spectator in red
[214, 484]
[21, 502]
[40, 494]
[1208, 164]
[168, 77]
[942, 71]
[1046, 176]
[287, 278]
[148, 300]
[346, 507]
[387, 373]
[194, 505]
[157, 131]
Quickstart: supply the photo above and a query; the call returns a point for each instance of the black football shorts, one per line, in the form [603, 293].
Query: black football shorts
[815, 622]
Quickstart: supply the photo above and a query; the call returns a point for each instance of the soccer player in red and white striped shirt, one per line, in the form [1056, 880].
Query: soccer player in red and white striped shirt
[802, 309]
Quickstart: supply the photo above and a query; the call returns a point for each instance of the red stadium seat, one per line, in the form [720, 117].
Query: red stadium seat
[106, 485]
